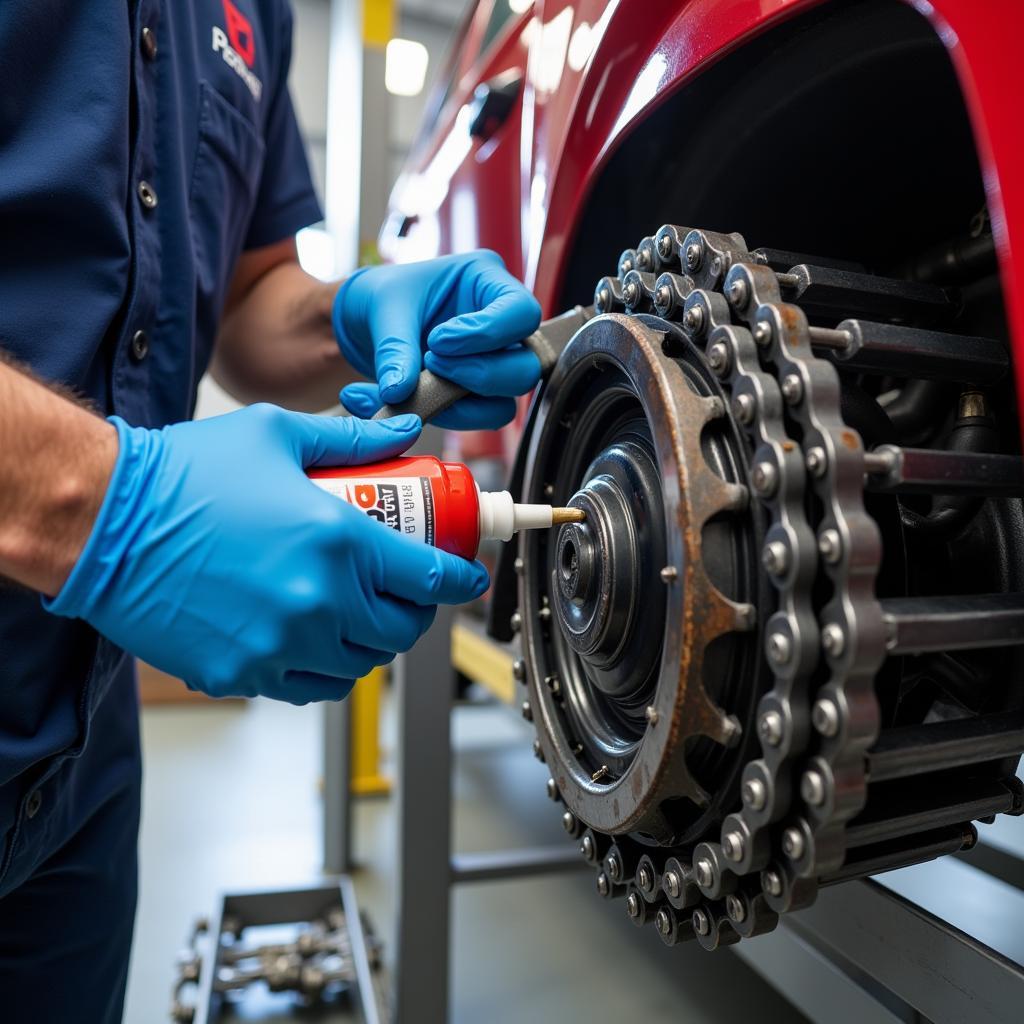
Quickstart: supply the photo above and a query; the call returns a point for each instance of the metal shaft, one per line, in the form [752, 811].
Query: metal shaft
[567, 515]
[936, 746]
[924, 471]
[918, 624]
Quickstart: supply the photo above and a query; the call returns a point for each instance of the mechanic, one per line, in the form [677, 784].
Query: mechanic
[152, 180]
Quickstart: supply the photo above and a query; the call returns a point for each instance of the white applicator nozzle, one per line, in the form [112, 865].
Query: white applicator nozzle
[501, 517]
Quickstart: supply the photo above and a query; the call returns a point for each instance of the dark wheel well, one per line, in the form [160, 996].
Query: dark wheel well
[842, 132]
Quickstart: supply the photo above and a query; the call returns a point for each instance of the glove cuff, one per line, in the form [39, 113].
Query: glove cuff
[116, 524]
[355, 353]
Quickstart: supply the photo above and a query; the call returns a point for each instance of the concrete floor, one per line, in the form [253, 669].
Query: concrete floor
[232, 802]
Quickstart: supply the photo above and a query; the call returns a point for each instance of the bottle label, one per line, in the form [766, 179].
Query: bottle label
[405, 503]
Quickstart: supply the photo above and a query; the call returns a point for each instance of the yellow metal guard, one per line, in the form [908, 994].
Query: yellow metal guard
[367, 779]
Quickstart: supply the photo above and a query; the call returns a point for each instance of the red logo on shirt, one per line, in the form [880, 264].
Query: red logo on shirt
[237, 45]
[240, 33]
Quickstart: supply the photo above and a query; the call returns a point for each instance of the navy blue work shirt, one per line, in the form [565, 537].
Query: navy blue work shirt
[143, 145]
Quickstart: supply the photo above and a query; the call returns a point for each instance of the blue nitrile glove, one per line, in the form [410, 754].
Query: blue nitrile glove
[463, 317]
[216, 559]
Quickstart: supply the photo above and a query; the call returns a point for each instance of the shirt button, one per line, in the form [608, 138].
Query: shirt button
[148, 43]
[140, 345]
[147, 195]
[34, 802]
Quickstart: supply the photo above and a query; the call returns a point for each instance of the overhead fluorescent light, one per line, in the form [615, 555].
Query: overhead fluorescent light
[405, 67]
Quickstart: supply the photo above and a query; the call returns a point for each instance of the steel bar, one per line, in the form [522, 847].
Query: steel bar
[897, 811]
[424, 682]
[823, 290]
[915, 749]
[368, 1001]
[782, 260]
[495, 865]
[925, 471]
[337, 800]
[915, 625]
[898, 853]
[822, 986]
[901, 350]
[944, 973]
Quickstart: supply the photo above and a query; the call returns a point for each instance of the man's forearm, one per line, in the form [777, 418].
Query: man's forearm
[276, 343]
[56, 459]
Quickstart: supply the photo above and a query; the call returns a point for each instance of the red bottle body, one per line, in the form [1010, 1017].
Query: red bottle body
[419, 496]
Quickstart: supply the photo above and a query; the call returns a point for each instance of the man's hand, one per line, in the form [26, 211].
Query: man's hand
[55, 461]
[463, 317]
[214, 557]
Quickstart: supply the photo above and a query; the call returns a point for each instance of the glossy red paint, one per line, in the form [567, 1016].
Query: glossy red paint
[580, 101]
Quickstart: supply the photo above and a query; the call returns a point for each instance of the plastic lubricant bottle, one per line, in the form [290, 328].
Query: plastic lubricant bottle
[436, 502]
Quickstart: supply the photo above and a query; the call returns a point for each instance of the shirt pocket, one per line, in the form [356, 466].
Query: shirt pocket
[222, 196]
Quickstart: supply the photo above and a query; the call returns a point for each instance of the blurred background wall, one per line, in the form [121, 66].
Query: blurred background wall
[378, 125]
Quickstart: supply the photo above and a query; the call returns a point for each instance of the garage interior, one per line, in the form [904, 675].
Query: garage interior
[450, 833]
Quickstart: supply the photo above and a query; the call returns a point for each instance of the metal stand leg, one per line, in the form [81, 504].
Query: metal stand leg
[424, 682]
[337, 787]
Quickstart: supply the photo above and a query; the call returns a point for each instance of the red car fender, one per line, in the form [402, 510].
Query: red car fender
[643, 53]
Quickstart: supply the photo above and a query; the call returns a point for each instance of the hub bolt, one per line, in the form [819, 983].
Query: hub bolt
[516, 622]
[604, 300]
[673, 884]
[833, 639]
[792, 388]
[779, 649]
[694, 254]
[718, 358]
[771, 880]
[754, 794]
[587, 847]
[738, 293]
[732, 845]
[644, 878]
[765, 478]
[704, 872]
[651, 714]
[817, 462]
[830, 546]
[538, 751]
[735, 908]
[629, 293]
[603, 885]
[668, 574]
[744, 406]
[775, 557]
[569, 822]
[518, 667]
[551, 788]
[665, 246]
[663, 922]
[693, 319]
[770, 726]
[825, 717]
[663, 296]
[527, 711]
[633, 905]
[812, 788]
[701, 921]
[793, 843]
